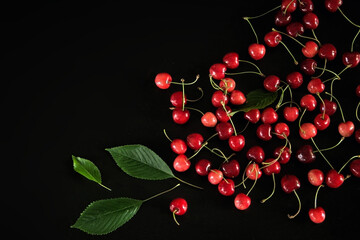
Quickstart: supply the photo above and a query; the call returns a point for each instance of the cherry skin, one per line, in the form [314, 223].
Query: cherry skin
[227, 84]
[194, 141]
[271, 83]
[224, 130]
[306, 6]
[346, 129]
[351, 59]
[282, 19]
[309, 102]
[289, 183]
[218, 97]
[274, 167]
[355, 167]
[272, 39]
[263, 132]
[178, 146]
[202, 167]
[237, 97]
[222, 115]
[294, 79]
[317, 215]
[334, 179]
[177, 99]
[178, 206]
[308, 66]
[310, 20]
[285, 155]
[291, 113]
[253, 171]
[256, 154]
[333, 5]
[327, 51]
[230, 169]
[329, 107]
[315, 86]
[209, 119]
[217, 71]
[315, 177]
[215, 176]
[256, 51]
[322, 121]
[305, 154]
[180, 116]
[310, 50]
[163, 80]
[231, 60]
[242, 201]
[226, 187]
[288, 6]
[181, 163]
[252, 116]
[357, 90]
[269, 115]
[295, 29]
[357, 135]
[282, 129]
[307, 131]
[237, 143]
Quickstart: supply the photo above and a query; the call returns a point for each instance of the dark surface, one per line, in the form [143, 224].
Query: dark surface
[80, 78]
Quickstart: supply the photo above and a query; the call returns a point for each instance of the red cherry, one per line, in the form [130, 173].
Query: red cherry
[333, 5]
[346, 129]
[329, 107]
[317, 215]
[351, 59]
[357, 90]
[202, 167]
[288, 6]
[178, 206]
[231, 60]
[282, 129]
[305, 154]
[252, 116]
[306, 6]
[226, 187]
[237, 97]
[272, 167]
[309, 102]
[179, 116]
[315, 177]
[177, 99]
[263, 132]
[315, 86]
[181, 163]
[218, 97]
[321, 121]
[289, 183]
[307, 131]
[256, 51]
[215, 176]
[237, 143]
[295, 29]
[272, 39]
[285, 154]
[291, 113]
[271, 83]
[308, 66]
[222, 115]
[269, 115]
[327, 51]
[163, 80]
[242, 201]
[282, 19]
[227, 84]
[224, 130]
[311, 49]
[230, 169]
[310, 20]
[355, 167]
[256, 154]
[294, 79]
[217, 71]
[178, 146]
[253, 171]
[194, 141]
[357, 135]
[209, 119]
[334, 179]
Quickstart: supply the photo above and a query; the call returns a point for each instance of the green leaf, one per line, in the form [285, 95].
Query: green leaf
[140, 162]
[105, 216]
[88, 169]
[257, 99]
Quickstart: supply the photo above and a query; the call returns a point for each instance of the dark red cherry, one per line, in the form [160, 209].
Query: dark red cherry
[253, 171]
[237, 143]
[256, 154]
[269, 115]
[291, 113]
[178, 206]
[315, 86]
[288, 6]
[308, 66]
[327, 51]
[357, 135]
[194, 141]
[218, 97]
[272, 39]
[328, 106]
[321, 121]
[242, 201]
[355, 167]
[217, 71]
[252, 116]
[272, 166]
[305, 154]
[310, 20]
[317, 215]
[224, 130]
[202, 167]
[282, 19]
[226, 187]
[333, 5]
[163, 80]
[263, 132]
[231, 169]
[334, 179]
[289, 183]
[231, 60]
[180, 116]
[294, 79]
[309, 102]
[285, 154]
[295, 29]
[222, 115]
[351, 59]
[177, 99]
[357, 90]
[306, 6]
[256, 51]
[271, 83]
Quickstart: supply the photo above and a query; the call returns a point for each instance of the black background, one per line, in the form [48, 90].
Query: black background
[79, 78]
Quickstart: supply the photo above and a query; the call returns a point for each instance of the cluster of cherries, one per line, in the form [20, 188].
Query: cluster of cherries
[227, 96]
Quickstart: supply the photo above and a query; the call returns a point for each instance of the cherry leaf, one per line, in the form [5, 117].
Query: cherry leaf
[257, 99]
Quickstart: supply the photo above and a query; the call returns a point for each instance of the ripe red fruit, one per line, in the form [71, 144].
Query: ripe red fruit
[310, 20]
[315, 177]
[252, 116]
[315, 86]
[307, 131]
[253, 171]
[224, 130]
[237, 143]
[209, 119]
[288, 6]
[256, 51]
[227, 84]
[256, 154]
[289, 183]
[309, 102]
[237, 97]
[215, 176]
[263, 132]
[226, 187]
[282, 19]
[218, 97]
[305, 154]
[317, 215]
[291, 113]
[294, 79]
[346, 129]
[163, 80]
[180, 116]
[295, 29]
[230, 169]
[269, 115]
[242, 201]
[329, 107]
[308, 66]
[310, 50]
[351, 59]
[357, 135]
[355, 167]
[322, 121]
[222, 115]
[202, 167]
[181, 163]
[231, 60]
[177, 99]
[272, 39]
[285, 155]
[282, 129]
[272, 167]
[327, 51]
[271, 83]
[178, 146]
[334, 179]
[194, 141]
[178, 206]
[333, 5]
[306, 6]
[217, 71]
[357, 90]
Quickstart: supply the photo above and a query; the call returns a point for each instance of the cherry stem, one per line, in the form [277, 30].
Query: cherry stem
[287, 49]
[357, 156]
[192, 185]
[263, 14]
[273, 29]
[214, 85]
[256, 177]
[273, 190]
[342, 13]
[329, 148]
[300, 119]
[245, 61]
[183, 93]
[282, 95]
[280, 152]
[356, 111]
[338, 103]
[197, 99]
[246, 125]
[298, 211]
[289, 102]
[353, 41]
[288, 6]
[190, 83]
[174, 217]
[197, 151]
[247, 19]
[311, 38]
[322, 101]
[316, 195]
[246, 72]
[321, 153]
[167, 135]
[166, 191]
[323, 70]
[243, 177]
[227, 114]
[189, 108]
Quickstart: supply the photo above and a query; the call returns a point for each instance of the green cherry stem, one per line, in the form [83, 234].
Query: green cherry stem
[353, 41]
[190, 83]
[273, 190]
[192, 185]
[357, 111]
[253, 64]
[342, 13]
[356, 156]
[288, 6]
[283, 33]
[227, 114]
[263, 14]
[332, 147]
[288, 50]
[299, 209]
[321, 153]
[252, 28]
[161, 193]
[246, 72]
[338, 103]
[197, 99]
[256, 177]
[183, 93]
[197, 151]
[316, 195]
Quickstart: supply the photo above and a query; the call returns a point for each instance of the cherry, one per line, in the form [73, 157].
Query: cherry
[178, 206]
[334, 179]
[291, 113]
[305, 154]
[269, 115]
[256, 51]
[194, 141]
[285, 154]
[218, 97]
[306, 6]
[310, 20]
[163, 80]
[202, 167]
[357, 90]
[230, 169]
[231, 60]
[351, 59]
[217, 71]
[295, 29]
[181, 163]
[307, 131]
[355, 167]
[178, 146]
[294, 79]
[177, 99]
[346, 129]
[333, 5]
[271, 83]
[308, 102]
[329, 107]
[253, 171]
[209, 119]
[327, 51]
[282, 19]
[224, 130]
[180, 116]
[226, 187]
[252, 115]
[272, 39]
[315, 86]
[288, 6]
[215, 176]
[317, 215]
[315, 177]
[227, 84]
[237, 97]
[357, 135]
[256, 154]
[290, 183]
[263, 132]
[282, 129]
[242, 201]
[222, 115]
[308, 66]
[310, 50]
[237, 143]
[322, 121]
[273, 167]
